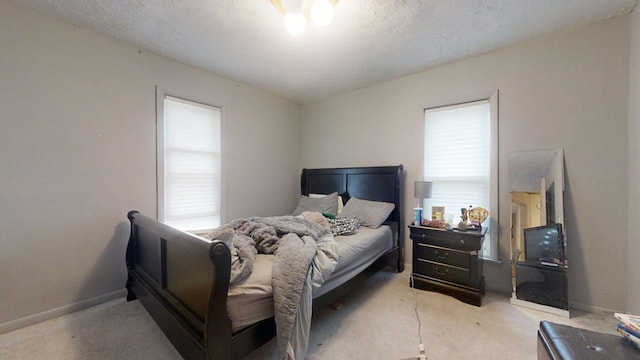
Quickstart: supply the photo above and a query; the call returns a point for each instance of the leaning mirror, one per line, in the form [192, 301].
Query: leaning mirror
[538, 238]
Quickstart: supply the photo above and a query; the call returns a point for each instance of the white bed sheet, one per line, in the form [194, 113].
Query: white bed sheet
[251, 300]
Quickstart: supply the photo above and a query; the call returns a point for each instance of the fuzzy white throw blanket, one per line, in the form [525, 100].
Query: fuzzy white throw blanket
[305, 253]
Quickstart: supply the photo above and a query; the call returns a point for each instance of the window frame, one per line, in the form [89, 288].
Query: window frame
[492, 241]
[161, 95]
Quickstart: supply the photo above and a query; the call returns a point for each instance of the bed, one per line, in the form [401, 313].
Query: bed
[183, 280]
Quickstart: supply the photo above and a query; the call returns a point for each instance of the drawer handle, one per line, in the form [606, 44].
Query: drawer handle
[461, 241]
[441, 273]
[423, 235]
[446, 254]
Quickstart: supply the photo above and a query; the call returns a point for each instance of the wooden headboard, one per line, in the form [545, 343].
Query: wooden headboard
[368, 183]
[380, 183]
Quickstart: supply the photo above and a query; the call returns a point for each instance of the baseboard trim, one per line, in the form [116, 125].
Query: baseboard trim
[590, 308]
[539, 307]
[505, 290]
[59, 311]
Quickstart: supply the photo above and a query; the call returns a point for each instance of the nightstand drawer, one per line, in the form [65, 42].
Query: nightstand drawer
[442, 272]
[443, 255]
[447, 239]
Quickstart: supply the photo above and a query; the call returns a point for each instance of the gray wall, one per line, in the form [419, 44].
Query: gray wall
[567, 91]
[77, 151]
[77, 120]
[633, 297]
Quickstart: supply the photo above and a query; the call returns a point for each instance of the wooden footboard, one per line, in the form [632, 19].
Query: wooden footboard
[182, 281]
[159, 260]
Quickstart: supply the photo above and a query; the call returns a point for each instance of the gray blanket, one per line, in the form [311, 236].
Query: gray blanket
[305, 253]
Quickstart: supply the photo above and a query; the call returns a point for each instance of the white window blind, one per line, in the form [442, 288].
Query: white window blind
[457, 159]
[191, 162]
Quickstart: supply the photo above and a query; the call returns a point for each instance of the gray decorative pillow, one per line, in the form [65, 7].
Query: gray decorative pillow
[370, 213]
[344, 226]
[327, 204]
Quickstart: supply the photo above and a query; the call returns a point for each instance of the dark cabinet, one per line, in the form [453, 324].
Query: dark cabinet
[448, 262]
[541, 284]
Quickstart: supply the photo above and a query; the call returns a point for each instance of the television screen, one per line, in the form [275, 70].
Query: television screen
[544, 244]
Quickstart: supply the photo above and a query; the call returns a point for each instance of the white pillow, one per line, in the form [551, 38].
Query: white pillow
[370, 213]
[317, 196]
[328, 204]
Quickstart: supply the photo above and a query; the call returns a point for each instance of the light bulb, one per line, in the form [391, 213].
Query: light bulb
[293, 6]
[295, 23]
[321, 12]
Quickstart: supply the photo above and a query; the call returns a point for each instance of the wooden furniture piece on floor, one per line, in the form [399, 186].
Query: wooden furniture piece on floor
[448, 262]
[182, 280]
[542, 284]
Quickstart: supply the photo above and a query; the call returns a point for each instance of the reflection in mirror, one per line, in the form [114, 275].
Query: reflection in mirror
[536, 186]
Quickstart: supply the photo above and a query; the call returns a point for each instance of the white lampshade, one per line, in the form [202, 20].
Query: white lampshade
[422, 189]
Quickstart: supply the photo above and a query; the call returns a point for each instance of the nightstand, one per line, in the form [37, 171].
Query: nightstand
[448, 262]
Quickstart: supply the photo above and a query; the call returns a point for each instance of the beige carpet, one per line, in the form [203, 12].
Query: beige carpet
[376, 322]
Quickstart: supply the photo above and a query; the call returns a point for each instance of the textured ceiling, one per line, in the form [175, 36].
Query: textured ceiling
[369, 41]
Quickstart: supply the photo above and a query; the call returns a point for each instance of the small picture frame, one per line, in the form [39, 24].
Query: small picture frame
[437, 213]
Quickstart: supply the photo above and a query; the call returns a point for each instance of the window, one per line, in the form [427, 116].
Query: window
[460, 159]
[188, 164]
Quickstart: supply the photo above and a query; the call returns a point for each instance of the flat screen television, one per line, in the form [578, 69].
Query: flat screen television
[544, 244]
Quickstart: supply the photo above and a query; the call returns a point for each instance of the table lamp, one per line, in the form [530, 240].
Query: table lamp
[421, 190]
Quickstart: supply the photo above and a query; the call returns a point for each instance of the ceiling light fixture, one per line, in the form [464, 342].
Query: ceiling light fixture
[295, 23]
[296, 13]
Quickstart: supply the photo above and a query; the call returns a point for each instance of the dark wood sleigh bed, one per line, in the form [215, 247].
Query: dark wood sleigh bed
[182, 280]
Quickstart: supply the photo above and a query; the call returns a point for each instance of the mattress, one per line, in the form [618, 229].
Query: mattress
[251, 300]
